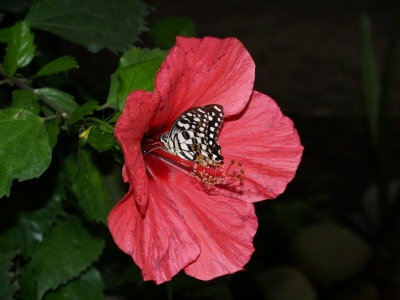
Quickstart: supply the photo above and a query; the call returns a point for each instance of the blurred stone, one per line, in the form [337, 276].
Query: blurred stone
[370, 200]
[224, 292]
[330, 253]
[285, 283]
[357, 291]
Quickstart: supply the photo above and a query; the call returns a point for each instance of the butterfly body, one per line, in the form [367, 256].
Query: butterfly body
[194, 135]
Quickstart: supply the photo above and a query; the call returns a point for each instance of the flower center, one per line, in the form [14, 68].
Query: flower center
[204, 170]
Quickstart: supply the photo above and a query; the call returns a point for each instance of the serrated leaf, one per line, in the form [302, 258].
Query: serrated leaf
[96, 191]
[7, 288]
[20, 48]
[100, 140]
[369, 75]
[25, 99]
[137, 70]
[53, 129]
[95, 24]
[164, 32]
[24, 147]
[58, 65]
[64, 100]
[86, 109]
[70, 249]
[89, 285]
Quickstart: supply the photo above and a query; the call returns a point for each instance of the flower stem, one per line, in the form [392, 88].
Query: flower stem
[100, 122]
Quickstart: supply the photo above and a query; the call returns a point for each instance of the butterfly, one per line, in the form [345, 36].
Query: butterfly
[194, 135]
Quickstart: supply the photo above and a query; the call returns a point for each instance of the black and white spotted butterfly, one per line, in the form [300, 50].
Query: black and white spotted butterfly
[194, 135]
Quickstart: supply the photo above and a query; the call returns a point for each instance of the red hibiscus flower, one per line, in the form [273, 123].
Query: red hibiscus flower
[171, 218]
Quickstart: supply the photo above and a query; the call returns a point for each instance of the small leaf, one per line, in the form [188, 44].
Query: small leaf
[94, 24]
[7, 288]
[24, 147]
[100, 140]
[25, 99]
[85, 109]
[164, 32]
[64, 100]
[58, 65]
[97, 193]
[89, 285]
[20, 49]
[63, 256]
[369, 75]
[53, 130]
[137, 70]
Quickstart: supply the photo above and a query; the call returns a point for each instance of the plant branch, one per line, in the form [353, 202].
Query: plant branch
[49, 118]
[22, 84]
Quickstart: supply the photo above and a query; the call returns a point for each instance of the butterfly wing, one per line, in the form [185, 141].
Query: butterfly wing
[194, 135]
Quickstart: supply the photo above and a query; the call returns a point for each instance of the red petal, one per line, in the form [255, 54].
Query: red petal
[268, 146]
[139, 110]
[160, 242]
[204, 71]
[224, 226]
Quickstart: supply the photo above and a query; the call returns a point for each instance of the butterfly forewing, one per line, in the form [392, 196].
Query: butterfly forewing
[194, 135]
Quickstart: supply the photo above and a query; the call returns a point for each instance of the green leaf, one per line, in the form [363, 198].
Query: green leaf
[7, 288]
[112, 99]
[20, 49]
[100, 140]
[70, 250]
[25, 99]
[28, 284]
[369, 75]
[64, 100]
[58, 65]
[137, 70]
[164, 32]
[97, 184]
[6, 34]
[10, 60]
[85, 109]
[30, 226]
[89, 285]
[136, 55]
[94, 24]
[139, 76]
[24, 147]
[53, 130]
